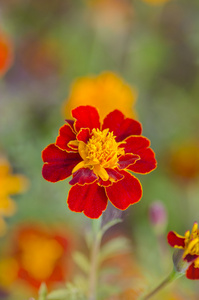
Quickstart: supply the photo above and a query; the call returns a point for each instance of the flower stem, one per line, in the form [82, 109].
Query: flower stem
[94, 259]
[173, 276]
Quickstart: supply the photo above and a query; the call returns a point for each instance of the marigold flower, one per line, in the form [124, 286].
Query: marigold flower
[190, 254]
[183, 160]
[6, 53]
[40, 256]
[9, 184]
[106, 91]
[99, 157]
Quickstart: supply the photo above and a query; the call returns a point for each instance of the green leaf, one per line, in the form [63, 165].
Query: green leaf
[71, 292]
[58, 295]
[82, 261]
[107, 290]
[43, 292]
[109, 225]
[114, 247]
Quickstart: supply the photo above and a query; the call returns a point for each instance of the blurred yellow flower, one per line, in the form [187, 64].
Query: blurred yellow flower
[156, 1]
[8, 271]
[106, 91]
[9, 184]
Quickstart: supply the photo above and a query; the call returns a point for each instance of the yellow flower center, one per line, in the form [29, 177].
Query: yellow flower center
[192, 241]
[100, 152]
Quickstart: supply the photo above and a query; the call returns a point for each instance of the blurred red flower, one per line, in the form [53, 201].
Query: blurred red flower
[6, 53]
[99, 157]
[190, 244]
[41, 256]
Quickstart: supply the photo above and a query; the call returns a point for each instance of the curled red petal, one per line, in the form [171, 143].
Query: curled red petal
[175, 240]
[126, 160]
[58, 163]
[70, 123]
[125, 192]
[192, 272]
[115, 174]
[146, 163]
[122, 127]
[83, 176]
[90, 199]
[66, 135]
[84, 135]
[86, 117]
[190, 258]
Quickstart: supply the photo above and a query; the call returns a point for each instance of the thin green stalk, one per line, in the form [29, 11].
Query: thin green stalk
[173, 276]
[94, 259]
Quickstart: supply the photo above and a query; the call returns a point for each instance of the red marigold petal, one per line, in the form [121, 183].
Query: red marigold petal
[66, 135]
[84, 135]
[192, 272]
[104, 183]
[134, 144]
[86, 117]
[146, 163]
[90, 199]
[113, 120]
[175, 240]
[127, 128]
[121, 127]
[127, 160]
[83, 176]
[58, 163]
[139, 145]
[125, 192]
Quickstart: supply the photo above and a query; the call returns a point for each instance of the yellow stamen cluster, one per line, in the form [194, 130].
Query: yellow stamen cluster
[192, 242]
[100, 152]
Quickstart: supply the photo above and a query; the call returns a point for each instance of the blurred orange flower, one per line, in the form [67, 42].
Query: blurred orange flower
[6, 53]
[183, 160]
[41, 255]
[106, 91]
[9, 184]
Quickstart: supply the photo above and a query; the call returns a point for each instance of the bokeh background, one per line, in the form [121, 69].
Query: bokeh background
[148, 48]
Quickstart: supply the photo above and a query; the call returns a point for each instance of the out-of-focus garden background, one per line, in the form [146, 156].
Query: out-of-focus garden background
[139, 56]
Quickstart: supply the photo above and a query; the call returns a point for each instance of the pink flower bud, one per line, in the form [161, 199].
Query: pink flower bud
[158, 216]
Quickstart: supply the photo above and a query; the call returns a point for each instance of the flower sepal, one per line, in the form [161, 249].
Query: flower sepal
[180, 264]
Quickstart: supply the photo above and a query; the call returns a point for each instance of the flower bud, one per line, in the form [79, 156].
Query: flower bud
[180, 265]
